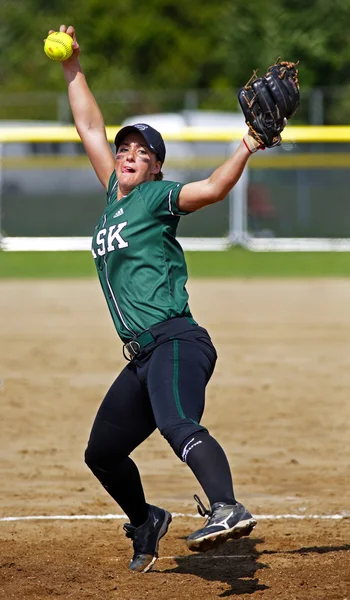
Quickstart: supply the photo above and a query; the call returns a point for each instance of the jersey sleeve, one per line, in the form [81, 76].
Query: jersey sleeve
[161, 197]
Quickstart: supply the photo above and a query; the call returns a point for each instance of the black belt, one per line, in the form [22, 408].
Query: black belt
[137, 344]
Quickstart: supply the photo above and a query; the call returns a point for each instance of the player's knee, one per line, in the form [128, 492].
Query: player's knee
[90, 456]
[178, 433]
[96, 457]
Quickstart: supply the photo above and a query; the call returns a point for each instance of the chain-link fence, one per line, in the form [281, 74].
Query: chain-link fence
[293, 195]
[328, 105]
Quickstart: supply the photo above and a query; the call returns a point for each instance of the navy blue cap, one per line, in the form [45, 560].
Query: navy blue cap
[151, 136]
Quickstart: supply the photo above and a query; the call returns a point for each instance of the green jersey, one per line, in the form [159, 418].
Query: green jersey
[140, 264]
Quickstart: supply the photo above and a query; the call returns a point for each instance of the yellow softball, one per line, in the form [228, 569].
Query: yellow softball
[58, 46]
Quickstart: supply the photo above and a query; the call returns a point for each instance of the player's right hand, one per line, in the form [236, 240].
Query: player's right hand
[76, 48]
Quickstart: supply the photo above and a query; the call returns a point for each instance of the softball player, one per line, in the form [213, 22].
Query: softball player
[142, 272]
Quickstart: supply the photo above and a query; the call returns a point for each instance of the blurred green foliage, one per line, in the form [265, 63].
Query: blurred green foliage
[176, 44]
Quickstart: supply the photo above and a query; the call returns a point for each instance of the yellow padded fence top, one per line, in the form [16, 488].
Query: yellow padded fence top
[67, 133]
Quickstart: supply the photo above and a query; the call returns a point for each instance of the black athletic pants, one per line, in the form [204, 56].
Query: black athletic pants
[163, 387]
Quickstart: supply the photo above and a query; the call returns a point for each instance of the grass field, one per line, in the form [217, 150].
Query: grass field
[235, 262]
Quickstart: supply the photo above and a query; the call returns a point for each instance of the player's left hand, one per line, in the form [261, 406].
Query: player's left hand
[269, 102]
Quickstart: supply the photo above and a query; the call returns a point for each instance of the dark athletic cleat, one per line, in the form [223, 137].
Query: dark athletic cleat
[225, 521]
[146, 538]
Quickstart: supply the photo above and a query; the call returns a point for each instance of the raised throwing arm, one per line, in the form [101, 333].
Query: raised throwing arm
[87, 116]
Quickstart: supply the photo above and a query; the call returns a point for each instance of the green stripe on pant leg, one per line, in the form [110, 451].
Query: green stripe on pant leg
[176, 380]
[176, 383]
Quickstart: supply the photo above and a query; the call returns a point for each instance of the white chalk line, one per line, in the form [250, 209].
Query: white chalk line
[108, 517]
[193, 556]
[199, 556]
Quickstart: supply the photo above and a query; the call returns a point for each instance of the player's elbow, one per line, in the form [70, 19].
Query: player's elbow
[214, 194]
[194, 196]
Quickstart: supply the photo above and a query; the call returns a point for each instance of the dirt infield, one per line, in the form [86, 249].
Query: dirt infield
[278, 402]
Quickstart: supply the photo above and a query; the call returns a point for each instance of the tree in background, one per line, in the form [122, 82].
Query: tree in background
[177, 44]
